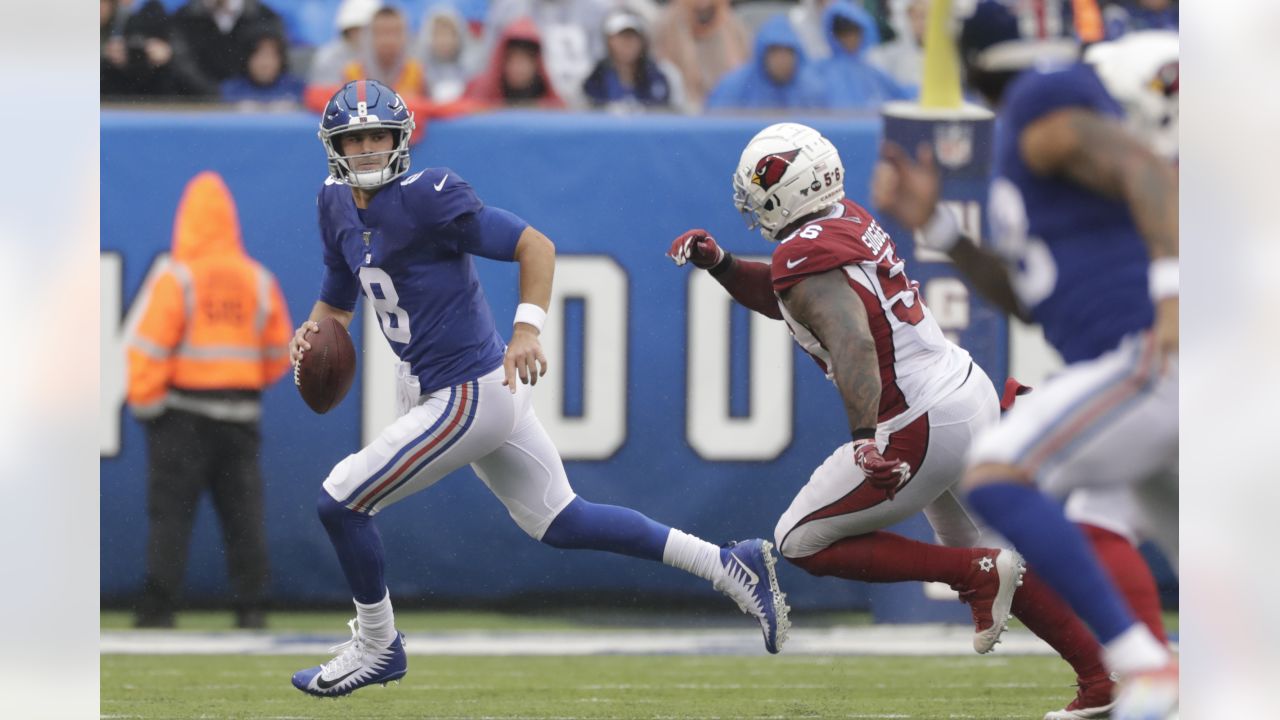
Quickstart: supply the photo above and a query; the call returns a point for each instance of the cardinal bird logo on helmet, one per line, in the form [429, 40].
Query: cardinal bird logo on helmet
[771, 168]
[1166, 80]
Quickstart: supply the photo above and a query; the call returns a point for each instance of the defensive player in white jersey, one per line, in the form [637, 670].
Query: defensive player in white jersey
[914, 400]
[465, 394]
[1084, 222]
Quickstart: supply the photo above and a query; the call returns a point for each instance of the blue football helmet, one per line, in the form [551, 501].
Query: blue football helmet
[362, 105]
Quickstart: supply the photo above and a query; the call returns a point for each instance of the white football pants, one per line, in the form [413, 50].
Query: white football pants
[478, 423]
[837, 502]
[1106, 428]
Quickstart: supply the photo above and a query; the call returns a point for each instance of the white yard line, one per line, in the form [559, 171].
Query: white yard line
[917, 640]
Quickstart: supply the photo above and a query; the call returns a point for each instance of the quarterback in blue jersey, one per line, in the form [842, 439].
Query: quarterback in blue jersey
[407, 241]
[1084, 224]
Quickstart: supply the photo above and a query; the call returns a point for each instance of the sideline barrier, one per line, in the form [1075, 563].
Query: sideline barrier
[720, 455]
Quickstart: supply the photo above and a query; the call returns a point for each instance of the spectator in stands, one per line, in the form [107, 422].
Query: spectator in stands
[704, 39]
[806, 20]
[777, 76]
[139, 55]
[214, 333]
[387, 58]
[516, 75]
[628, 77]
[352, 20]
[1126, 16]
[448, 52]
[114, 77]
[850, 80]
[266, 79]
[903, 57]
[570, 30]
[218, 35]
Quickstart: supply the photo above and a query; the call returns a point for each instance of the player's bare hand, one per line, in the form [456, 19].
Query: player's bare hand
[882, 473]
[903, 188]
[1166, 329]
[524, 357]
[298, 343]
[695, 246]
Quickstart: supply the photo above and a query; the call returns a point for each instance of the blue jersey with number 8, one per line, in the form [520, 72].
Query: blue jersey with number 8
[411, 253]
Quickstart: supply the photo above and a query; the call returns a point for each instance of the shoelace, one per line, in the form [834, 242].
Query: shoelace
[350, 653]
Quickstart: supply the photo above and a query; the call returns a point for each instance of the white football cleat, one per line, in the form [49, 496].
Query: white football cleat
[989, 592]
[358, 663]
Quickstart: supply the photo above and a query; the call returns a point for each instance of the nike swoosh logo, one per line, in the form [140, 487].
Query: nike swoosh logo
[755, 579]
[440, 184]
[325, 685]
[792, 263]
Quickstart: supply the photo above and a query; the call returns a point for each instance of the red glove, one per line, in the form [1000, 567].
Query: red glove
[886, 475]
[696, 246]
[1012, 389]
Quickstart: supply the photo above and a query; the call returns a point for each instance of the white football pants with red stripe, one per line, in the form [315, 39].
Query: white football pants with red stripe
[478, 423]
[1107, 426]
[837, 502]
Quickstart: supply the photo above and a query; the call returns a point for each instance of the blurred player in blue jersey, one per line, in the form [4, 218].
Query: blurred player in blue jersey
[1084, 222]
[465, 399]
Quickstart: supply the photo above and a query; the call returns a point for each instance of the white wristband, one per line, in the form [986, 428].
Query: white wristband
[1162, 278]
[530, 314]
[942, 231]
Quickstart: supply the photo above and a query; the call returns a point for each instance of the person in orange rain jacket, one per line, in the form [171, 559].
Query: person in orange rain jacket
[214, 331]
[387, 58]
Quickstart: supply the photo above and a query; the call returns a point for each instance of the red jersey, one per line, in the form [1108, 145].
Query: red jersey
[918, 364]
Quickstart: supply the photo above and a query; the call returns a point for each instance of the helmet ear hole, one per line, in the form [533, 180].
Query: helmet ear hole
[768, 204]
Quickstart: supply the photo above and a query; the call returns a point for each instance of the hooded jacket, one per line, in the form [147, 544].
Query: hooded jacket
[486, 87]
[751, 87]
[213, 319]
[850, 79]
[448, 78]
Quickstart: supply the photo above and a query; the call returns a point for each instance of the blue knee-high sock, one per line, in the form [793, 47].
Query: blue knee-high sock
[1058, 551]
[359, 546]
[582, 525]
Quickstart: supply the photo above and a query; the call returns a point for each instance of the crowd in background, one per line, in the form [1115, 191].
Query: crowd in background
[455, 56]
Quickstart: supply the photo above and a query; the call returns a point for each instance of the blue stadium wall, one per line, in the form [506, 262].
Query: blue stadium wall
[611, 192]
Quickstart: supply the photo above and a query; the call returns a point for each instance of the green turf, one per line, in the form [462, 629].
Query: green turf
[211, 687]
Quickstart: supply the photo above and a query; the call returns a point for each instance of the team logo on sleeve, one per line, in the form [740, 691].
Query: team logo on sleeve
[771, 168]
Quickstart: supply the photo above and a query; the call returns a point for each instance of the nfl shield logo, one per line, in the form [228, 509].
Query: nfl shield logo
[953, 144]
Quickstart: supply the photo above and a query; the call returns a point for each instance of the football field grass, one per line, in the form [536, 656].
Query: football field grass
[706, 686]
[256, 686]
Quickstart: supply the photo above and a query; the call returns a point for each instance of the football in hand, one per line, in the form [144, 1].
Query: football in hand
[324, 374]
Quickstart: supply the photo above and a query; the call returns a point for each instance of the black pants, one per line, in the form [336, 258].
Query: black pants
[187, 454]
